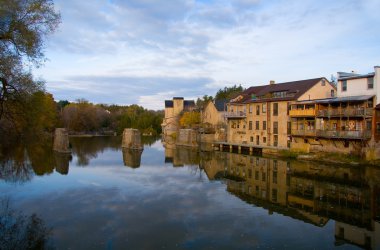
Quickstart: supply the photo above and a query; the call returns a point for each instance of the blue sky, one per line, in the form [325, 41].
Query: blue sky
[145, 51]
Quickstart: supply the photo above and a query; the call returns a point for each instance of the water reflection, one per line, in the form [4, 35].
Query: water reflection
[19, 231]
[132, 158]
[306, 191]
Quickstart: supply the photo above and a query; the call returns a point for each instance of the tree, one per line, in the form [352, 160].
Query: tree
[228, 92]
[189, 119]
[201, 103]
[24, 25]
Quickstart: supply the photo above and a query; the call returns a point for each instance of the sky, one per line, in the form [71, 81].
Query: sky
[145, 51]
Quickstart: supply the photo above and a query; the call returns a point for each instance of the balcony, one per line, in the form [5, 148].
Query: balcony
[345, 134]
[302, 112]
[348, 112]
[235, 115]
[296, 132]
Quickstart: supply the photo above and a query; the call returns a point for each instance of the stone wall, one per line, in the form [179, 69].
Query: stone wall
[187, 137]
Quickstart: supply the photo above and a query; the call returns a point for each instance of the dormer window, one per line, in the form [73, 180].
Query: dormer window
[279, 94]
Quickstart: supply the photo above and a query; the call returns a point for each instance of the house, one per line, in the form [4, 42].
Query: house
[343, 124]
[173, 110]
[259, 116]
[214, 113]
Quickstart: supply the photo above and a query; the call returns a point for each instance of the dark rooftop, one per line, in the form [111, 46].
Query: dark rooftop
[220, 104]
[292, 91]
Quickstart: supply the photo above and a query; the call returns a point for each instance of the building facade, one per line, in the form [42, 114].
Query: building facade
[260, 115]
[173, 110]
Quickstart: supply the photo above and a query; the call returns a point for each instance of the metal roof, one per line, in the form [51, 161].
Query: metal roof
[359, 98]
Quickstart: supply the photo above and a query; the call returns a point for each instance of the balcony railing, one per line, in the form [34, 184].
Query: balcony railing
[296, 132]
[346, 112]
[302, 112]
[235, 115]
[345, 134]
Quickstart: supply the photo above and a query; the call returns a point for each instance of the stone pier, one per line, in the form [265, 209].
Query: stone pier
[132, 139]
[61, 141]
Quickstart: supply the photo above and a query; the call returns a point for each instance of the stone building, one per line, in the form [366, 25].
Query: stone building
[259, 116]
[173, 110]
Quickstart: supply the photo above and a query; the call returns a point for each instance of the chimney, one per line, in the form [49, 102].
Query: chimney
[271, 82]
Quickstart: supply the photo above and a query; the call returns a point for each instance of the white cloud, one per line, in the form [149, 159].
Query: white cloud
[212, 43]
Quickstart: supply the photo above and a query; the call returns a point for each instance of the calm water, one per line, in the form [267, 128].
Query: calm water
[175, 198]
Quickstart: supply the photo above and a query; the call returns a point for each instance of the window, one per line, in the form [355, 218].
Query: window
[264, 108]
[263, 177]
[250, 173]
[251, 138]
[275, 127]
[289, 128]
[332, 93]
[257, 109]
[323, 82]
[250, 125]
[275, 109]
[264, 140]
[369, 125]
[257, 125]
[264, 125]
[257, 161]
[378, 127]
[257, 140]
[250, 108]
[344, 85]
[256, 175]
[274, 195]
[275, 140]
[274, 177]
[370, 83]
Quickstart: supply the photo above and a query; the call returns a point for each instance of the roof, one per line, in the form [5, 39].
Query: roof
[168, 104]
[359, 98]
[355, 76]
[186, 103]
[220, 104]
[293, 90]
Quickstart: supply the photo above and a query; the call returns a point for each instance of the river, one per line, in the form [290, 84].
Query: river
[103, 197]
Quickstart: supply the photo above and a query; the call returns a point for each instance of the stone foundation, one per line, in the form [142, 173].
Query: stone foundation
[132, 139]
[187, 137]
[61, 141]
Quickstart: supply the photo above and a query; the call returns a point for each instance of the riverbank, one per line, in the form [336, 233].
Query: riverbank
[324, 157]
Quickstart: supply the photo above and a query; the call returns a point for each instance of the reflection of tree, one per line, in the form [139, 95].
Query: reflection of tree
[14, 165]
[148, 140]
[87, 148]
[19, 231]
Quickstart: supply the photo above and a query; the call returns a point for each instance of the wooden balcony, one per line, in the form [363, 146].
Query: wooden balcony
[235, 115]
[296, 132]
[344, 134]
[345, 112]
[302, 112]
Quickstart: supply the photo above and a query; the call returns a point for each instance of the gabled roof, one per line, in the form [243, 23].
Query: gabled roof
[220, 104]
[294, 90]
[355, 76]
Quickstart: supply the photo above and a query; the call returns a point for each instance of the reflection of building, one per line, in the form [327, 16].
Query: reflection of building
[132, 158]
[180, 156]
[306, 191]
[173, 109]
[62, 161]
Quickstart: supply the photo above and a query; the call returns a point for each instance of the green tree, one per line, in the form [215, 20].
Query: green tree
[189, 119]
[228, 92]
[201, 103]
[24, 25]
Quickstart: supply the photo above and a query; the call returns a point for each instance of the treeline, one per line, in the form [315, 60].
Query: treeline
[85, 117]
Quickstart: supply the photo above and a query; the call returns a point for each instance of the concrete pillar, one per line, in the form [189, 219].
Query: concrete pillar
[230, 148]
[239, 149]
[61, 141]
[221, 147]
[132, 139]
[250, 150]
